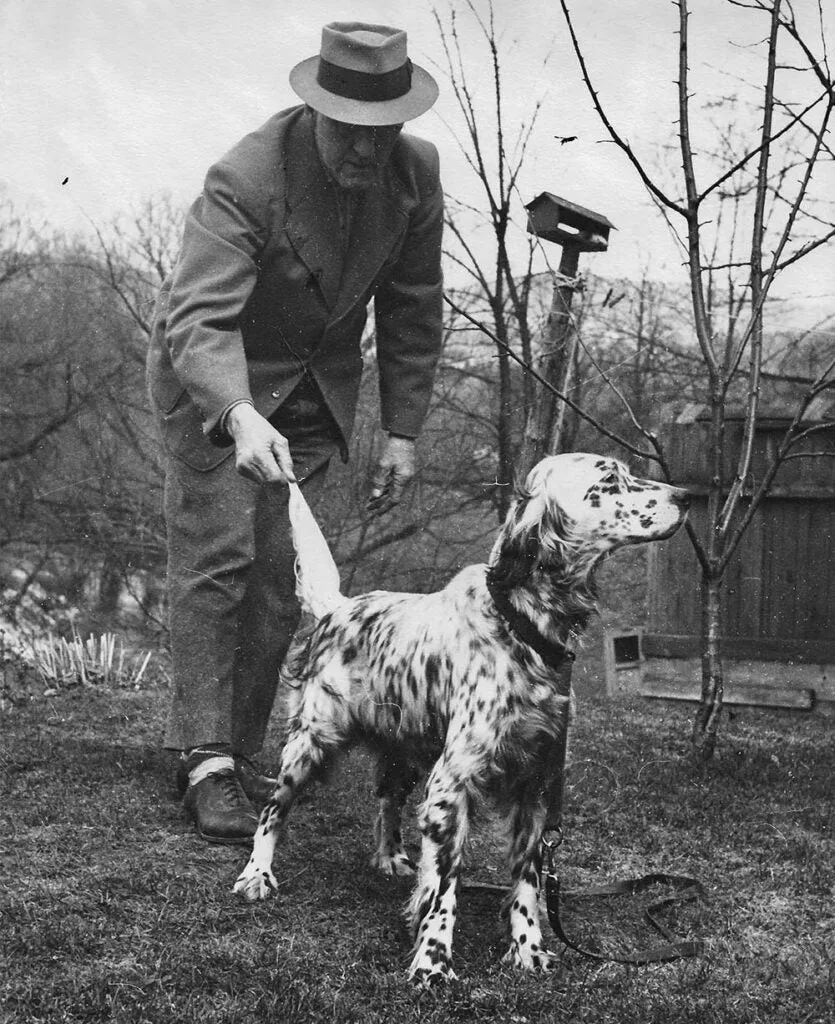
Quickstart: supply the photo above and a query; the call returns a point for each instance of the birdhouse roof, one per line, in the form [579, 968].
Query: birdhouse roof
[574, 208]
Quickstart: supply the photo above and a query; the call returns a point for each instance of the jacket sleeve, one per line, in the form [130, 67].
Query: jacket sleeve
[408, 309]
[214, 277]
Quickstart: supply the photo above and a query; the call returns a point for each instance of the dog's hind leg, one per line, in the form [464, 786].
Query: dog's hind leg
[443, 824]
[305, 756]
[522, 905]
[395, 781]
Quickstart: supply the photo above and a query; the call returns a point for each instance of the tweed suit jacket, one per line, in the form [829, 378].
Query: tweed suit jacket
[262, 291]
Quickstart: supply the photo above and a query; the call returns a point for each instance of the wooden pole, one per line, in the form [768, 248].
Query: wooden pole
[544, 428]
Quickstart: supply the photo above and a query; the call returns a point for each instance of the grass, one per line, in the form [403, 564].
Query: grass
[113, 911]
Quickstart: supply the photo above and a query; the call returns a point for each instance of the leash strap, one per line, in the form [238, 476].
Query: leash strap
[560, 660]
[673, 949]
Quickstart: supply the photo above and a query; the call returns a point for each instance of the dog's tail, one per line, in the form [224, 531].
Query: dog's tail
[317, 577]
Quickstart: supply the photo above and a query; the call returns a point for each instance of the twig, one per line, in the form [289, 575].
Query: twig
[546, 384]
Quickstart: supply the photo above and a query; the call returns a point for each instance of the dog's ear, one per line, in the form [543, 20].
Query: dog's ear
[535, 535]
[516, 549]
[556, 534]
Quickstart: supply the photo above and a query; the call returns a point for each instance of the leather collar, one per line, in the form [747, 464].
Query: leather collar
[554, 655]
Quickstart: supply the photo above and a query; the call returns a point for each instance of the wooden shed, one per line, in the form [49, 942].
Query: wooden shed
[778, 611]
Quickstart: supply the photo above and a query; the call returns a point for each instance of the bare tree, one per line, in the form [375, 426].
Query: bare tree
[23, 246]
[757, 213]
[765, 191]
[24, 255]
[136, 252]
[506, 302]
[496, 158]
[82, 483]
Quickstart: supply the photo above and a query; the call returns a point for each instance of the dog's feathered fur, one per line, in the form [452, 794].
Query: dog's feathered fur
[441, 681]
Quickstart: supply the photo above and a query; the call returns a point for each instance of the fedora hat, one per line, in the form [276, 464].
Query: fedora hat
[362, 75]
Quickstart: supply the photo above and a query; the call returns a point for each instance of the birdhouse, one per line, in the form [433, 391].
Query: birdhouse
[557, 220]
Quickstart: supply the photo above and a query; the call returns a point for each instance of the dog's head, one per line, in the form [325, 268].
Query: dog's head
[605, 505]
[574, 508]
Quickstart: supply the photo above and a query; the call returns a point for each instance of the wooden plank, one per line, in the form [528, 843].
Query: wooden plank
[674, 581]
[773, 584]
[787, 566]
[747, 567]
[819, 594]
[802, 587]
[780, 584]
[738, 693]
[806, 652]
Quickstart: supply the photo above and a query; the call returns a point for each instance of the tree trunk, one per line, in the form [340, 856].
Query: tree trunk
[111, 581]
[708, 715]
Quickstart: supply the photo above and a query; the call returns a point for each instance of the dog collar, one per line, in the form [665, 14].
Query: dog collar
[554, 655]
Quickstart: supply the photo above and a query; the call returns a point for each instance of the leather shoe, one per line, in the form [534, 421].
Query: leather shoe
[220, 809]
[258, 788]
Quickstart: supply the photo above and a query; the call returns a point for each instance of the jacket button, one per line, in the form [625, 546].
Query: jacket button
[276, 394]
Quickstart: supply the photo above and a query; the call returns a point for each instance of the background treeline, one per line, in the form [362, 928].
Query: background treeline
[80, 505]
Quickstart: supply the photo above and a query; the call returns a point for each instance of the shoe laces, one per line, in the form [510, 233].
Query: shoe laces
[228, 782]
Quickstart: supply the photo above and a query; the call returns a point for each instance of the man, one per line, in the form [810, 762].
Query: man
[254, 369]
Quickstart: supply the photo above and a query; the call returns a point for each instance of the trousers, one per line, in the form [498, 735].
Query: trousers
[231, 588]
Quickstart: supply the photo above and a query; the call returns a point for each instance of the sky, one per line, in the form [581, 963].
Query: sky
[104, 103]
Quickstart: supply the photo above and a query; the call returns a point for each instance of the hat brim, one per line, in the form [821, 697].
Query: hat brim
[416, 101]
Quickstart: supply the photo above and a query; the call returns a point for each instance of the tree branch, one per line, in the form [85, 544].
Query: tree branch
[615, 136]
[652, 456]
[756, 330]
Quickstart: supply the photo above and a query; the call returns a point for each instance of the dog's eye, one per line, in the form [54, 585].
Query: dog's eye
[611, 479]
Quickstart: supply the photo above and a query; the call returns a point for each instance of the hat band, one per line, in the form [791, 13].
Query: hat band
[360, 85]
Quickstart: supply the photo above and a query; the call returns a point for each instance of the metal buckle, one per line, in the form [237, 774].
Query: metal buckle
[549, 849]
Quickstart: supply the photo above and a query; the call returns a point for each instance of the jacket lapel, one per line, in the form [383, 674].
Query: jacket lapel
[312, 222]
[312, 225]
[378, 223]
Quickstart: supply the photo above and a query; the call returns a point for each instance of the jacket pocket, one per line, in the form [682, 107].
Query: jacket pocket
[183, 437]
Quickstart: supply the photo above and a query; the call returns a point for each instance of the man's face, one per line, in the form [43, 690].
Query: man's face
[354, 154]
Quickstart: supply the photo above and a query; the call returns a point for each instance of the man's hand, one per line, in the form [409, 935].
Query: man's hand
[395, 468]
[262, 454]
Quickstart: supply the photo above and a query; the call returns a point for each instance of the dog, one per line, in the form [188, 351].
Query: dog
[460, 682]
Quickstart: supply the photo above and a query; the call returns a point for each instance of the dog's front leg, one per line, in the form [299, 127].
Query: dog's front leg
[522, 906]
[443, 825]
[257, 881]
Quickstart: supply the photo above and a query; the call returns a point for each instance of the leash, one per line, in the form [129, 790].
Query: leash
[688, 890]
[685, 890]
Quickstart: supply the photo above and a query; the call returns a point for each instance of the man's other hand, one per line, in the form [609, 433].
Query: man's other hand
[262, 454]
[395, 468]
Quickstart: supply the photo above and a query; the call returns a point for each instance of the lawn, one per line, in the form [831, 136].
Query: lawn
[113, 911]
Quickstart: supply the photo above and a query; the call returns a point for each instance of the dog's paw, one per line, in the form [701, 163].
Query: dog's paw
[530, 957]
[399, 863]
[255, 883]
[431, 964]
[425, 978]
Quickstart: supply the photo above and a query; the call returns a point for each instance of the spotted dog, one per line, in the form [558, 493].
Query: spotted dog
[445, 682]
